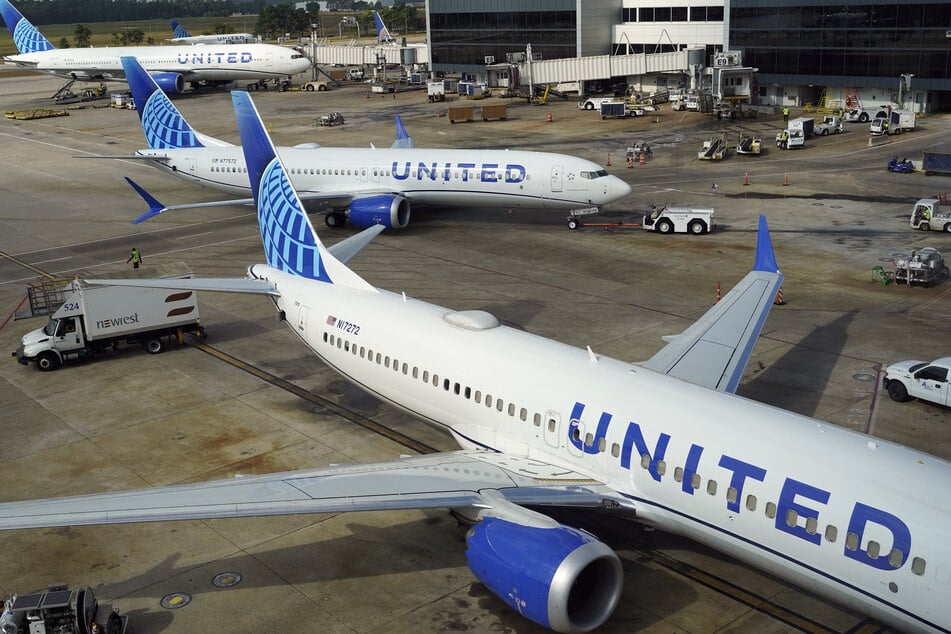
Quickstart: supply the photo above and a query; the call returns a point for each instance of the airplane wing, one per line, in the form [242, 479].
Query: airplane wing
[715, 349]
[463, 479]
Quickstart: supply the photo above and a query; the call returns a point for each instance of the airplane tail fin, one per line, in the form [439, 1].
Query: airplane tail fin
[163, 125]
[403, 139]
[382, 33]
[290, 242]
[26, 37]
[178, 29]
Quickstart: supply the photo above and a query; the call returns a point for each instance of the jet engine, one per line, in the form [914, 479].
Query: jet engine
[385, 209]
[170, 83]
[562, 578]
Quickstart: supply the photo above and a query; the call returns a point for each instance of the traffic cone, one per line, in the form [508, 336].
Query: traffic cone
[548, 119]
[718, 293]
[785, 179]
[779, 298]
[746, 179]
[609, 160]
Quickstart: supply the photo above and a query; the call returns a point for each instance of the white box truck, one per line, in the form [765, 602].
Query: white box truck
[85, 319]
[898, 121]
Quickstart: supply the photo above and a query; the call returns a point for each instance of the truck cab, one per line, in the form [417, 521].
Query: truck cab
[919, 379]
[831, 124]
[929, 215]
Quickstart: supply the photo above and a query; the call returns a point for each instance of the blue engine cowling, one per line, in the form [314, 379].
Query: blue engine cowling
[170, 83]
[561, 578]
[385, 209]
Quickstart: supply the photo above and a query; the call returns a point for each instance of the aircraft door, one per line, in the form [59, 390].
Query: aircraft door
[193, 167]
[552, 427]
[302, 319]
[363, 174]
[556, 177]
[269, 59]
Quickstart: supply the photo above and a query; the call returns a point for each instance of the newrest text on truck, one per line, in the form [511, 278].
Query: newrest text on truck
[898, 121]
[929, 214]
[85, 319]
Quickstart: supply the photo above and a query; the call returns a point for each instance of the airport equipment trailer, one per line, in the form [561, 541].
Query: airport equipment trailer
[923, 267]
[62, 611]
[85, 319]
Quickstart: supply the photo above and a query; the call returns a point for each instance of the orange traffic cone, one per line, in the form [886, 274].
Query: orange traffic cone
[609, 160]
[718, 292]
[779, 298]
[548, 119]
[785, 179]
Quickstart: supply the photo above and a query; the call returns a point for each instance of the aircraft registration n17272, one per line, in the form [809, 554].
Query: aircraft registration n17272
[665, 442]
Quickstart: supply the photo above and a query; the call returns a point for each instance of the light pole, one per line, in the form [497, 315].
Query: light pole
[903, 84]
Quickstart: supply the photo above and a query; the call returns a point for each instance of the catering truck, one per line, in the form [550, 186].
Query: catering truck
[85, 318]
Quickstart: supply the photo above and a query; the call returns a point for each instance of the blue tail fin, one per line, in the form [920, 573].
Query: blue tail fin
[403, 139]
[382, 33]
[25, 36]
[290, 242]
[163, 125]
[178, 29]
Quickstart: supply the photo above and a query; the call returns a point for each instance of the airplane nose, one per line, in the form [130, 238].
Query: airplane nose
[619, 189]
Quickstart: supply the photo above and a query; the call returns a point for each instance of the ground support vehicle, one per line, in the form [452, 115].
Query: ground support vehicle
[898, 121]
[790, 139]
[329, 120]
[923, 267]
[903, 166]
[918, 379]
[85, 318]
[749, 145]
[318, 85]
[928, 214]
[62, 611]
[714, 148]
[594, 103]
[805, 124]
[864, 115]
[830, 124]
[679, 220]
[619, 110]
[436, 91]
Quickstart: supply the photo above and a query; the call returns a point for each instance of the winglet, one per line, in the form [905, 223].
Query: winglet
[403, 139]
[765, 258]
[26, 37]
[290, 242]
[155, 207]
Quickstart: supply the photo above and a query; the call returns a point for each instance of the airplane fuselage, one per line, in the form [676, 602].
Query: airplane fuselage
[849, 516]
[458, 178]
[194, 63]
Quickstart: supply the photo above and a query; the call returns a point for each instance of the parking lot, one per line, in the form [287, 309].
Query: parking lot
[253, 400]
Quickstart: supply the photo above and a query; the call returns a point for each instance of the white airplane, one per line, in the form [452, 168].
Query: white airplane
[182, 37]
[382, 33]
[370, 186]
[170, 66]
[666, 442]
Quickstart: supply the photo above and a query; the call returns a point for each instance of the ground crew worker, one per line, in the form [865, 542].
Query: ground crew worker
[135, 257]
[885, 126]
[784, 139]
[786, 114]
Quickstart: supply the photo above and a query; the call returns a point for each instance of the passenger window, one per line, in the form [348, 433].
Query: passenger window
[895, 558]
[415, 372]
[679, 474]
[695, 481]
[712, 487]
[812, 525]
[511, 409]
[551, 424]
[537, 419]
[615, 449]
[851, 541]
[873, 549]
[751, 502]
[832, 533]
[771, 510]
[478, 396]
[468, 392]
[405, 368]
[523, 414]
[645, 461]
[386, 361]
[792, 518]
[435, 380]
[918, 566]
[425, 376]
[499, 405]
[488, 400]
[445, 384]
[602, 444]
[731, 495]
[588, 439]
[326, 337]
[661, 467]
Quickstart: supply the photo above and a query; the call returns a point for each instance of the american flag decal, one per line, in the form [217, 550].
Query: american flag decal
[331, 320]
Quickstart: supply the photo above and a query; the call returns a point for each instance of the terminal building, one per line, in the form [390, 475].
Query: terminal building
[807, 51]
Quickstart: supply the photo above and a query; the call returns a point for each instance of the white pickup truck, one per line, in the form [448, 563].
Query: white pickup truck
[919, 379]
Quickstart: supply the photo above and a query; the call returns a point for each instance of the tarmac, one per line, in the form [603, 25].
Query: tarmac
[251, 399]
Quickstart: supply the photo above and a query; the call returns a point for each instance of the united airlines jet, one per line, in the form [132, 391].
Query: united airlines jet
[666, 442]
[383, 35]
[368, 186]
[172, 67]
[182, 36]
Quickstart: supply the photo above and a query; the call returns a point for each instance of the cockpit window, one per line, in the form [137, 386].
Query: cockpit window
[594, 175]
